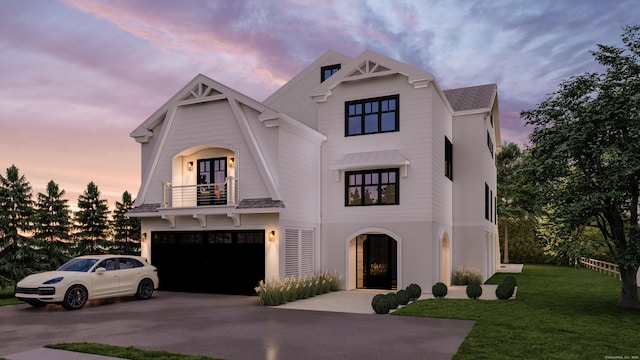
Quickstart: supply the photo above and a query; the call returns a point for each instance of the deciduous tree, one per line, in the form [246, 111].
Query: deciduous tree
[586, 149]
[516, 194]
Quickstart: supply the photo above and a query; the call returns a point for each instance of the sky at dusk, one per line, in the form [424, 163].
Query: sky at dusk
[77, 76]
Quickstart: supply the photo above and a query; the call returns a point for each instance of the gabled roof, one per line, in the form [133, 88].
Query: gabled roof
[200, 89]
[370, 64]
[472, 99]
[204, 89]
[330, 56]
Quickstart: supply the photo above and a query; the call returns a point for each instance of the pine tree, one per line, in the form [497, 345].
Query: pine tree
[92, 223]
[17, 258]
[126, 230]
[53, 225]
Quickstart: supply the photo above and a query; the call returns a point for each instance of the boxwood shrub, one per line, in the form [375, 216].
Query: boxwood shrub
[474, 291]
[504, 291]
[393, 299]
[380, 304]
[403, 297]
[439, 290]
[414, 291]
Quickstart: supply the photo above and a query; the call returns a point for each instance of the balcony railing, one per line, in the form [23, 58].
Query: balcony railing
[216, 194]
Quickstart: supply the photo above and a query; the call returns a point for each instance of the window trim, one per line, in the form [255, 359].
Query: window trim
[333, 68]
[362, 186]
[486, 202]
[490, 143]
[379, 112]
[448, 158]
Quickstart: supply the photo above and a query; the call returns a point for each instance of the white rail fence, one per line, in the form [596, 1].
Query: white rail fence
[601, 266]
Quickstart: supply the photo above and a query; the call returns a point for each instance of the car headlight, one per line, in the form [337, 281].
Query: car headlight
[53, 281]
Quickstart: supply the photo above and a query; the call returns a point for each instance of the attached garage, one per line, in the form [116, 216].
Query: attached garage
[219, 262]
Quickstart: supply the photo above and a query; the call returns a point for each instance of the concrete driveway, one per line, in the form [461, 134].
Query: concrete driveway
[231, 327]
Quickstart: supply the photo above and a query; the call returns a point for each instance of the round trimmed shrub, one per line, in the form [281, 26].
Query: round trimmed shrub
[510, 280]
[414, 291]
[393, 299]
[474, 291]
[403, 297]
[380, 304]
[504, 291]
[439, 290]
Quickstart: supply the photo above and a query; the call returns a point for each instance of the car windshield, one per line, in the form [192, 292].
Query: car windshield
[80, 265]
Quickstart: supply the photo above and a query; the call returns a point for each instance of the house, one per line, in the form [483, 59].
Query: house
[363, 165]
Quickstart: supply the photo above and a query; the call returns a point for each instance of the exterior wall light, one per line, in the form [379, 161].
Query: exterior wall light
[190, 166]
[144, 237]
[232, 162]
[272, 235]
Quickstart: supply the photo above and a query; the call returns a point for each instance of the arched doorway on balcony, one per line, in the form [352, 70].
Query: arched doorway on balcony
[203, 176]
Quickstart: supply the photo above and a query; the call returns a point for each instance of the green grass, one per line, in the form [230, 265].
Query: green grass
[7, 298]
[123, 352]
[559, 313]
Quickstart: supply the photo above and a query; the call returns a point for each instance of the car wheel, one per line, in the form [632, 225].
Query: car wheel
[145, 289]
[75, 297]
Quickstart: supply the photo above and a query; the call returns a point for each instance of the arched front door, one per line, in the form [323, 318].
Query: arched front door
[378, 261]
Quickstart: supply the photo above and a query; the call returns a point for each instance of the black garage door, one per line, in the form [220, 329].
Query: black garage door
[220, 262]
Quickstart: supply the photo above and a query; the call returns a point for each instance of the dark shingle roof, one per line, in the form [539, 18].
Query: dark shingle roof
[260, 203]
[145, 208]
[471, 98]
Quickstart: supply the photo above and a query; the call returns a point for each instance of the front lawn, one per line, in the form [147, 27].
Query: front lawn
[7, 298]
[125, 352]
[559, 313]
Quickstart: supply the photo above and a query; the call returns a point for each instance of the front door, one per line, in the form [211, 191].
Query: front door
[379, 253]
[212, 175]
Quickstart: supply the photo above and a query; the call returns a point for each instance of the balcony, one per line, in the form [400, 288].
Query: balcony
[216, 194]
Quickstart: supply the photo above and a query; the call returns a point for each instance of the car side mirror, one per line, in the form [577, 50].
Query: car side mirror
[100, 270]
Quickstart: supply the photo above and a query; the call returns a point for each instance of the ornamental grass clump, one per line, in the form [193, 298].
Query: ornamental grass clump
[467, 276]
[279, 291]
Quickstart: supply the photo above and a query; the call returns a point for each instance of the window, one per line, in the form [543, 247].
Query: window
[491, 205]
[327, 71]
[372, 116]
[372, 187]
[495, 204]
[490, 143]
[486, 202]
[448, 158]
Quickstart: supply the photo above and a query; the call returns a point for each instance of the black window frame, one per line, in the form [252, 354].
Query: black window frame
[330, 69]
[486, 202]
[448, 158]
[380, 186]
[357, 110]
[490, 143]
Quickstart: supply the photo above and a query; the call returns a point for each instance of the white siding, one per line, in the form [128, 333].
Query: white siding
[413, 141]
[293, 100]
[211, 124]
[299, 177]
